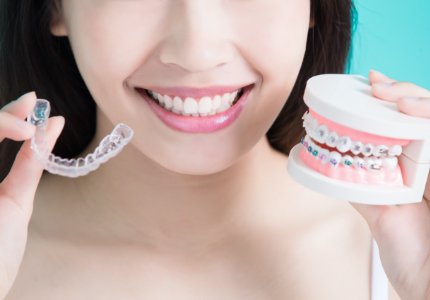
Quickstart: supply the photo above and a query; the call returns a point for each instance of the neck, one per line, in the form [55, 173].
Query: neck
[133, 196]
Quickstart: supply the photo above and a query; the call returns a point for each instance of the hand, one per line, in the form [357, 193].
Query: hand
[18, 189]
[402, 232]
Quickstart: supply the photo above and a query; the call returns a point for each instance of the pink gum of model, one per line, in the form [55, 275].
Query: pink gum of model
[381, 177]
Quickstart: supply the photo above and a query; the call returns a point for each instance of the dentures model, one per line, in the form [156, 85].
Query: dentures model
[109, 147]
[357, 147]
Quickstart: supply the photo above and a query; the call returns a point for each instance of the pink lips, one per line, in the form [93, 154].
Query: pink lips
[198, 124]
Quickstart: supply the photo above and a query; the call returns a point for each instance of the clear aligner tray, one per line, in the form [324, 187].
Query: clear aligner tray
[109, 147]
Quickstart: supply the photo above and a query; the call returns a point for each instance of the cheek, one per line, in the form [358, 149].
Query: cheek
[108, 46]
[276, 44]
[274, 40]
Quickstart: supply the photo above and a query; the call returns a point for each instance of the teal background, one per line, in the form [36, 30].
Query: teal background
[393, 37]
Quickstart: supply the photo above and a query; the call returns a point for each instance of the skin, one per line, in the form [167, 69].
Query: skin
[173, 205]
[402, 231]
[199, 181]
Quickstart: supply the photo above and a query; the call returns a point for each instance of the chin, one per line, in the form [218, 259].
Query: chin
[196, 165]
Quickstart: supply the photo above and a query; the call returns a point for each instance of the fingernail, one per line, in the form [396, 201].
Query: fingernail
[25, 96]
[377, 72]
[33, 93]
[380, 74]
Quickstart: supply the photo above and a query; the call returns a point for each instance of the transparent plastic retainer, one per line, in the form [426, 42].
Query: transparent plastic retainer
[109, 147]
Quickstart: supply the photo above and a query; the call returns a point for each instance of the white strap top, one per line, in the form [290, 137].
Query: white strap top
[379, 280]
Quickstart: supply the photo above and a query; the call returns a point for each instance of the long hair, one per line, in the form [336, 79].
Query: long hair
[31, 58]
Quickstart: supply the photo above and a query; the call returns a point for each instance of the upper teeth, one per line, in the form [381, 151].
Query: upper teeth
[190, 106]
[321, 134]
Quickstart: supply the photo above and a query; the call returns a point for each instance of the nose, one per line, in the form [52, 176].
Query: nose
[199, 37]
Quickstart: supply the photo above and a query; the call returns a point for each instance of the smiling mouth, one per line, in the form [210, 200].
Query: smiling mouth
[196, 107]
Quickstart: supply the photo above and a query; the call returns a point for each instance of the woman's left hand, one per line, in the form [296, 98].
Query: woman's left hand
[402, 232]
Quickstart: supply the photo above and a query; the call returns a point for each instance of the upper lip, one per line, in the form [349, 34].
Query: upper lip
[193, 92]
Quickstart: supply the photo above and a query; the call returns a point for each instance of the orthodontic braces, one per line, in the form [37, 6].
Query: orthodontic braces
[109, 147]
[335, 159]
[321, 134]
[384, 156]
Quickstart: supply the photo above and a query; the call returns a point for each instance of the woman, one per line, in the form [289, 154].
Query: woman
[184, 212]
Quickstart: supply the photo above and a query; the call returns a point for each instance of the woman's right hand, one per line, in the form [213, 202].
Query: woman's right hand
[18, 189]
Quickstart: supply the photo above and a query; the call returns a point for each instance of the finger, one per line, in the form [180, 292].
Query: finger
[22, 181]
[22, 106]
[377, 77]
[14, 128]
[394, 91]
[418, 107]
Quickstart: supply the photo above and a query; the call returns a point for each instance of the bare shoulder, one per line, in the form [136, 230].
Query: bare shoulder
[325, 236]
[307, 202]
[298, 239]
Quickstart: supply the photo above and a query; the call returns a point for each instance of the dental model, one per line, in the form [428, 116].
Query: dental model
[357, 147]
[109, 147]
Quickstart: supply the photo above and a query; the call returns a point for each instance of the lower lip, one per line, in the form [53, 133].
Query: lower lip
[199, 124]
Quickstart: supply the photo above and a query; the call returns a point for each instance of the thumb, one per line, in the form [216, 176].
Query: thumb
[415, 106]
[376, 77]
[22, 181]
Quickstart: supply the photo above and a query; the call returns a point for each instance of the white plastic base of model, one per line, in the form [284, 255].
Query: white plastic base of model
[348, 100]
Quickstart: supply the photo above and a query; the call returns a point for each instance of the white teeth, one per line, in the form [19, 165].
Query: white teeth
[358, 162]
[322, 133]
[376, 157]
[178, 105]
[307, 139]
[367, 150]
[356, 147]
[335, 159]
[168, 102]
[160, 98]
[368, 163]
[225, 98]
[206, 105]
[224, 106]
[332, 139]
[233, 96]
[390, 163]
[395, 150]
[380, 150]
[373, 163]
[190, 106]
[314, 124]
[343, 144]
[216, 103]
[347, 160]
[324, 155]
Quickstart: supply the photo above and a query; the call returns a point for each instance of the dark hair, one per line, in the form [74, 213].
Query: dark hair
[31, 58]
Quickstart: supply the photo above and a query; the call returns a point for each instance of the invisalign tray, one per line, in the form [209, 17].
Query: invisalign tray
[109, 147]
[360, 148]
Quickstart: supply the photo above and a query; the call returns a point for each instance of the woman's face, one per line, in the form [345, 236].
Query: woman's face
[120, 45]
